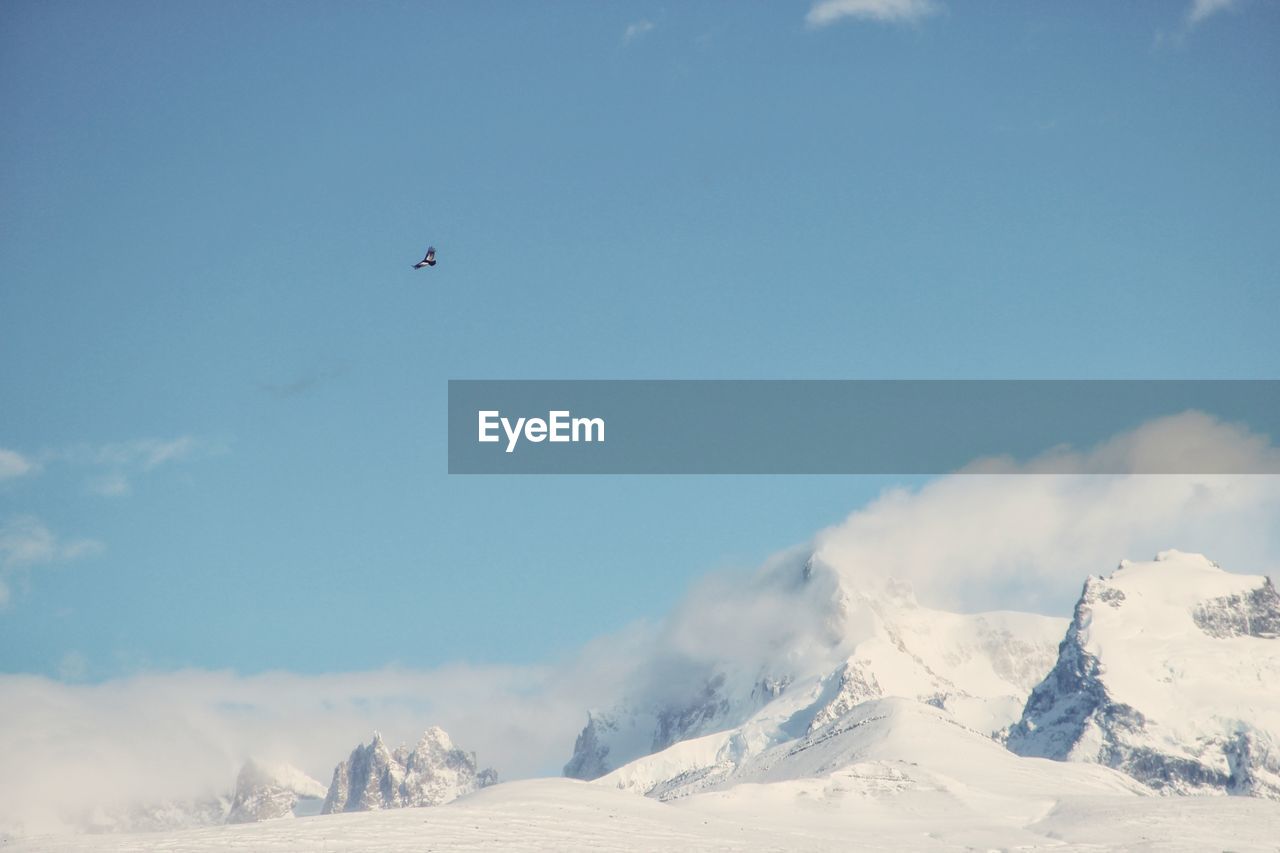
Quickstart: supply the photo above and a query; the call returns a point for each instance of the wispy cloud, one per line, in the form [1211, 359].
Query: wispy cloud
[113, 485]
[1197, 13]
[635, 30]
[1202, 10]
[826, 12]
[146, 453]
[25, 542]
[118, 463]
[13, 465]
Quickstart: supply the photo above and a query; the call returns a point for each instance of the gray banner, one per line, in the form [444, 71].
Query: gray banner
[853, 426]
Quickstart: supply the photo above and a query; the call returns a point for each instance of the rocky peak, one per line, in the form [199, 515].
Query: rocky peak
[431, 773]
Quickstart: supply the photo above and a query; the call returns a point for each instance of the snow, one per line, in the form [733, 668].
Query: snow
[568, 815]
[266, 791]
[1169, 671]
[881, 746]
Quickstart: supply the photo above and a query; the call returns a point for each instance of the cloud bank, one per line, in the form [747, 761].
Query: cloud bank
[985, 539]
[69, 751]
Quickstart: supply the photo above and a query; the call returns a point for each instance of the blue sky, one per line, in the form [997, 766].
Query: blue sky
[222, 388]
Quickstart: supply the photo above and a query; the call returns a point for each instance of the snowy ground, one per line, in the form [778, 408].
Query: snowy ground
[563, 814]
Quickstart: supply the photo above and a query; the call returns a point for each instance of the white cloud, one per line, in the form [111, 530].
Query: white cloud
[1203, 9]
[25, 541]
[827, 12]
[13, 464]
[636, 29]
[1027, 538]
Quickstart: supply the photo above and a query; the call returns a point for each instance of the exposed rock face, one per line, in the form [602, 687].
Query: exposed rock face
[1162, 675]
[1255, 613]
[430, 774]
[268, 792]
[590, 751]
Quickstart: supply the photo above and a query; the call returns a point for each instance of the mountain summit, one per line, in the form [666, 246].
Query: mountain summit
[827, 642]
[430, 774]
[1169, 672]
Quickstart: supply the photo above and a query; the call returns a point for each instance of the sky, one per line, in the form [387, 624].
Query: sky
[222, 388]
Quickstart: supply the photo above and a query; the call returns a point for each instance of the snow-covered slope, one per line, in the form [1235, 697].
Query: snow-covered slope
[431, 773]
[854, 638]
[880, 748]
[566, 815]
[1170, 671]
[269, 791]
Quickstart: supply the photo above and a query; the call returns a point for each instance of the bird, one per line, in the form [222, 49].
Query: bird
[428, 260]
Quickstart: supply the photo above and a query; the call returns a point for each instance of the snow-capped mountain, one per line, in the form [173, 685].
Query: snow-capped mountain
[430, 774]
[847, 715]
[854, 639]
[1170, 671]
[270, 791]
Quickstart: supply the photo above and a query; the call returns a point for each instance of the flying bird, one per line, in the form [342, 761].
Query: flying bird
[428, 260]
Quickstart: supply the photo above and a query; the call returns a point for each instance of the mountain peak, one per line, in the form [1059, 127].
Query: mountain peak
[430, 774]
[834, 639]
[1158, 676]
[268, 791]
